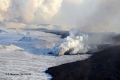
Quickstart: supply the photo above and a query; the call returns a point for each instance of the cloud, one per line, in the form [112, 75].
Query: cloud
[87, 15]
[28, 11]
[48, 9]
[12, 25]
[104, 18]
[71, 14]
[75, 1]
[90, 15]
[4, 5]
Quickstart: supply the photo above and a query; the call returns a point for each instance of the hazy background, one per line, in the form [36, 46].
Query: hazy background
[86, 15]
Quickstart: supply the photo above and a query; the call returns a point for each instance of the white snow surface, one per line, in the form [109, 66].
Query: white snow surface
[10, 48]
[21, 57]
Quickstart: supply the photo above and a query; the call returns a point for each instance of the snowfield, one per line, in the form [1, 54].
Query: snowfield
[27, 58]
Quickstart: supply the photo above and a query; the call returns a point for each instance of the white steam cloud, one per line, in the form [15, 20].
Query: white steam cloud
[77, 42]
[74, 44]
[28, 10]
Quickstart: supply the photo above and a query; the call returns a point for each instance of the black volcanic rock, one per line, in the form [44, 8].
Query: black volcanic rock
[26, 39]
[64, 35]
[103, 65]
[1, 31]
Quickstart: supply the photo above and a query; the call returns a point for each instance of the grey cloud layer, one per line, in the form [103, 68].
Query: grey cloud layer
[104, 18]
[91, 15]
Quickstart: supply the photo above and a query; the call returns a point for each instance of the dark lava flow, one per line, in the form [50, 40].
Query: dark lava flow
[103, 65]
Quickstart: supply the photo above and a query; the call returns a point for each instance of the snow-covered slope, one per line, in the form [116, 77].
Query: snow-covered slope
[27, 60]
[20, 62]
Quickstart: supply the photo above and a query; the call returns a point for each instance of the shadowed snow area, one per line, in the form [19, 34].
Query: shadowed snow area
[19, 57]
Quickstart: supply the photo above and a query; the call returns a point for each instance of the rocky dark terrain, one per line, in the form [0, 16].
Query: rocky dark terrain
[103, 65]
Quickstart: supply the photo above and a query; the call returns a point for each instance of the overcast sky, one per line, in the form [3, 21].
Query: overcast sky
[87, 15]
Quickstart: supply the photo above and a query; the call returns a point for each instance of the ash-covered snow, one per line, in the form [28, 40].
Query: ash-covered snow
[21, 57]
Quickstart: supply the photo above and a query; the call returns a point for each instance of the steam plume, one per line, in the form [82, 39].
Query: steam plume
[78, 42]
[75, 43]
